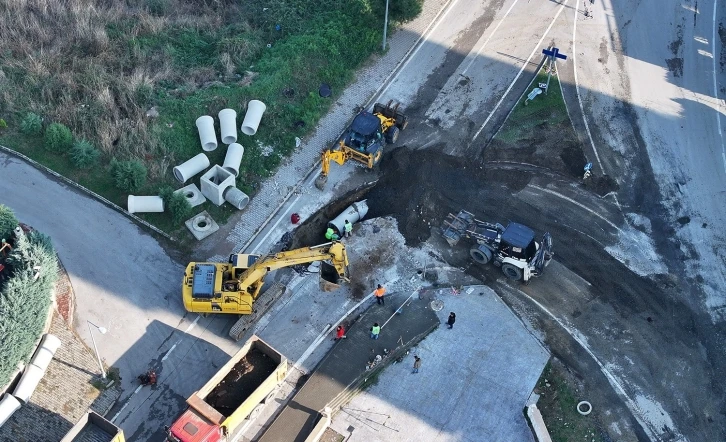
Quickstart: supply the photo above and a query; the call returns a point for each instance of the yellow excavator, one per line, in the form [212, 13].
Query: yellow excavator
[364, 139]
[232, 287]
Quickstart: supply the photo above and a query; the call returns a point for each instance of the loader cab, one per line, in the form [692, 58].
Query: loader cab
[518, 242]
[365, 133]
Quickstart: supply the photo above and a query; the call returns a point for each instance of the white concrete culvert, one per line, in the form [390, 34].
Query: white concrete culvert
[228, 125]
[255, 109]
[584, 408]
[207, 136]
[191, 167]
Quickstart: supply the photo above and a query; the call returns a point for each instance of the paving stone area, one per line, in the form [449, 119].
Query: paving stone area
[368, 80]
[64, 394]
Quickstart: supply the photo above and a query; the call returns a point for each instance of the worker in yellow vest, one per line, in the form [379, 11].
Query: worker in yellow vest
[375, 331]
[330, 235]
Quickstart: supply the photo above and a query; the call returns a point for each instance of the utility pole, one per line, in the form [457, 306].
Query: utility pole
[385, 27]
[103, 332]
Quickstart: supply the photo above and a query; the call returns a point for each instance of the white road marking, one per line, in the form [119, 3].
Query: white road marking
[478, 52]
[396, 71]
[189, 328]
[577, 87]
[582, 206]
[634, 409]
[715, 86]
[519, 74]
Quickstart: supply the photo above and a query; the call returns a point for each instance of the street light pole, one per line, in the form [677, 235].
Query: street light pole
[385, 27]
[103, 332]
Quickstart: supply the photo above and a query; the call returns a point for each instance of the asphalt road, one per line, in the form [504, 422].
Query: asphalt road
[124, 281]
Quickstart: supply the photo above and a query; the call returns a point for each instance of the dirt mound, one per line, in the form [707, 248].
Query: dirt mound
[419, 188]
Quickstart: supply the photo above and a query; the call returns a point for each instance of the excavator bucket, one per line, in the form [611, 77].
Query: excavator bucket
[320, 181]
[329, 277]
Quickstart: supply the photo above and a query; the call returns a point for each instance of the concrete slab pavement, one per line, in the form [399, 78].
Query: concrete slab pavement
[348, 361]
[472, 386]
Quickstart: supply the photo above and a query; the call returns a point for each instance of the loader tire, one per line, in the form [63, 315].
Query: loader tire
[512, 272]
[392, 134]
[480, 256]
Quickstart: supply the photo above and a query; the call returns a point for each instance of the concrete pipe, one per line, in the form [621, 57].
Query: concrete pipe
[191, 167]
[205, 125]
[28, 382]
[8, 406]
[354, 213]
[255, 109]
[137, 204]
[45, 352]
[233, 158]
[236, 197]
[228, 125]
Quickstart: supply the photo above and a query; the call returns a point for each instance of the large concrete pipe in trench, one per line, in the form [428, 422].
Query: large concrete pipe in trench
[191, 167]
[205, 125]
[354, 213]
[137, 204]
[228, 125]
[255, 109]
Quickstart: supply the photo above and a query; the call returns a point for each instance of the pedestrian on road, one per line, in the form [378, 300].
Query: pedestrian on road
[331, 235]
[340, 333]
[348, 229]
[416, 364]
[375, 331]
[380, 294]
[452, 319]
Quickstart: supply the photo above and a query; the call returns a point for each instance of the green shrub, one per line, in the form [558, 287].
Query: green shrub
[24, 301]
[3, 124]
[8, 222]
[58, 138]
[176, 204]
[129, 176]
[32, 124]
[84, 154]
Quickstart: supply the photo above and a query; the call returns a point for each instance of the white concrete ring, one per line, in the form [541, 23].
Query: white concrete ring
[588, 407]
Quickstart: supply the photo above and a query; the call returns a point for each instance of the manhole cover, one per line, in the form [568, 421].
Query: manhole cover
[325, 90]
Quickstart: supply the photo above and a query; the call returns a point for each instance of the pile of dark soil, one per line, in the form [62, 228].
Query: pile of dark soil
[241, 381]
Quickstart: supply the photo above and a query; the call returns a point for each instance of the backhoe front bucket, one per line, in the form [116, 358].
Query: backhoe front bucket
[329, 277]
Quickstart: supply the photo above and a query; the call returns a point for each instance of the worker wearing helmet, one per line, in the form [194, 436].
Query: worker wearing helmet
[330, 235]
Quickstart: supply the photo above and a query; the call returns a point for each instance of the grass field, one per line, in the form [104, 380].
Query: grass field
[545, 109]
[98, 67]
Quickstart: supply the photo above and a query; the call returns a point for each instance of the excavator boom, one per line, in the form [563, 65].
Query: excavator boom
[232, 287]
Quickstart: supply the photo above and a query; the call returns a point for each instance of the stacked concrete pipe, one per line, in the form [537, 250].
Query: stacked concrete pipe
[205, 125]
[354, 213]
[233, 158]
[139, 204]
[255, 109]
[228, 125]
[36, 369]
[191, 167]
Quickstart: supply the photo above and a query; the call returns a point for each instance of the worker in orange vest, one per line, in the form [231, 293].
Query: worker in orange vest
[379, 293]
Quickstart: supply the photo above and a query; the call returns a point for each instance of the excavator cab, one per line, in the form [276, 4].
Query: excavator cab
[364, 134]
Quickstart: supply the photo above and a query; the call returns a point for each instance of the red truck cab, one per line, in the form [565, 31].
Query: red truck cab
[191, 427]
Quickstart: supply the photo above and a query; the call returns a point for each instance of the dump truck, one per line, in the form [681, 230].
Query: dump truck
[513, 248]
[94, 427]
[232, 397]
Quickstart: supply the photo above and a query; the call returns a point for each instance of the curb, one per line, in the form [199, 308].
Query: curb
[88, 192]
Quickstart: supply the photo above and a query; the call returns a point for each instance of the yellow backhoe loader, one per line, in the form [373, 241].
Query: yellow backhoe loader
[233, 287]
[364, 139]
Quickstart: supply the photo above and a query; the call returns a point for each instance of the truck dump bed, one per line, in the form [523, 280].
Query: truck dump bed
[233, 392]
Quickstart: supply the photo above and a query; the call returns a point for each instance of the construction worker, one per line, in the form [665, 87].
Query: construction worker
[340, 333]
[330, 235]
[416, 364]
[348, 229]
[375, 331]
[380, 294]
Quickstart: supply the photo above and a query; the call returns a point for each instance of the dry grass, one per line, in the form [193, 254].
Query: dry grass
[59, 60]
